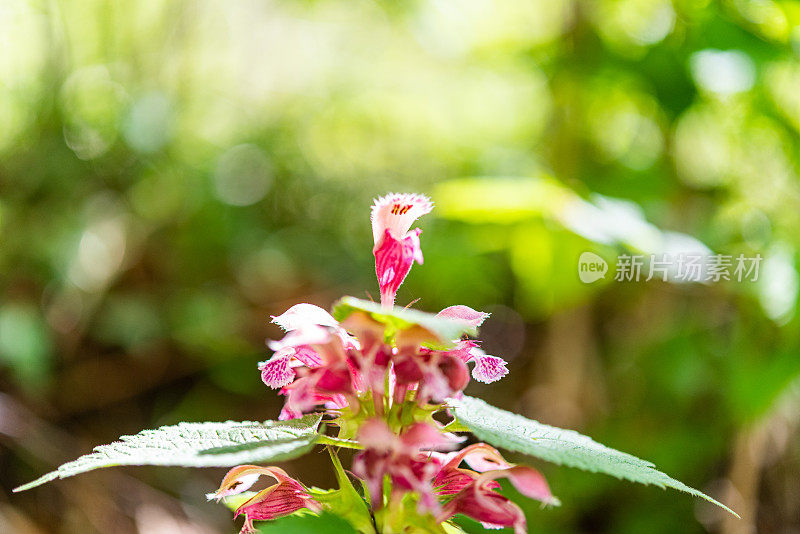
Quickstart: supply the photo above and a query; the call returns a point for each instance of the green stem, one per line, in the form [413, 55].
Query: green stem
[341, 476]
[339, 442]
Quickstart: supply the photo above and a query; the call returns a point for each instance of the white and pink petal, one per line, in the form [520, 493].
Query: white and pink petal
[487, 368]
[396, 213]
[303, 315]
[465, 314]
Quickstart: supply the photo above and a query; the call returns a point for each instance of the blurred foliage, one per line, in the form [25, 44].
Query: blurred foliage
[172, 173]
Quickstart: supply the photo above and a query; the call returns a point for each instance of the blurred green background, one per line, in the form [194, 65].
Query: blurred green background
[172, 173]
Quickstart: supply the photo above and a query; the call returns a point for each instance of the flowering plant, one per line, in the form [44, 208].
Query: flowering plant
[387, 382]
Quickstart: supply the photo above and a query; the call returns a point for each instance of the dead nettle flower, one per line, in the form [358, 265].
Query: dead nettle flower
[474, 492]
[405, 458]
[283, 498]
[321, 362]
[487, 368]
[396, 245]
[311, 363]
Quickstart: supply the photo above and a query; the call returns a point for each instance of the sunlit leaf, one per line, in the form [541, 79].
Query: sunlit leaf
[198, 445]
[565, 447]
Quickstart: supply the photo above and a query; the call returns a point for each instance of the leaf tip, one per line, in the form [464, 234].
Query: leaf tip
[38, 482]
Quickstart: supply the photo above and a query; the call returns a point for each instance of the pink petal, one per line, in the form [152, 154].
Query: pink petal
[393, 260]
[277, 371]
[464, 313]
[288, 413]
[334, 380]
[242, 478]
[408, 370]
[450, 481]
[413, 238]
[302, 315]
[243, 483]
[487, 368]
[375, 434]
[463, 350]
[426, 437]
[527, 480]
[277, 501]
[485, 506]
[455, 370]
[480, 457]
[396, 213]
[337, 401]
[307, 357]
[531, 483]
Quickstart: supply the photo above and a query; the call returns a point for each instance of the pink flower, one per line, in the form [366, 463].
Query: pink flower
[283, 498]
[278, 371]
[331, 386]
[406, 459]
[487, 368]
[396, 247]
[480, 457]
[371, 363]
[311, 364]
[436, 375]
[307, 325]
[474, 491]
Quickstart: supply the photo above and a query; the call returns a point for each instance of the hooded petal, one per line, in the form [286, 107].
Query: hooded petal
[480, 457]
[486, 506]
[276, 501]
[242, 477]
[396, 213]
[302, 315]
[464, 313]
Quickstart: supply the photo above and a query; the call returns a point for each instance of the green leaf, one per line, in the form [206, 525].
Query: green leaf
[199, 445]
[346, 502]
[326, 523]
[566, 447]
[397, 319]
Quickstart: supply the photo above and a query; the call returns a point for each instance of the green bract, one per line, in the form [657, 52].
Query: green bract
[396, 319]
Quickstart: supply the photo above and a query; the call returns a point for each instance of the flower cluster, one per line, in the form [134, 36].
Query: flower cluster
[381, 373]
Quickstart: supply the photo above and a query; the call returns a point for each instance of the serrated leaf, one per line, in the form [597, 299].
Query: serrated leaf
[199, 445]
[397, 319]
[566, 447]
